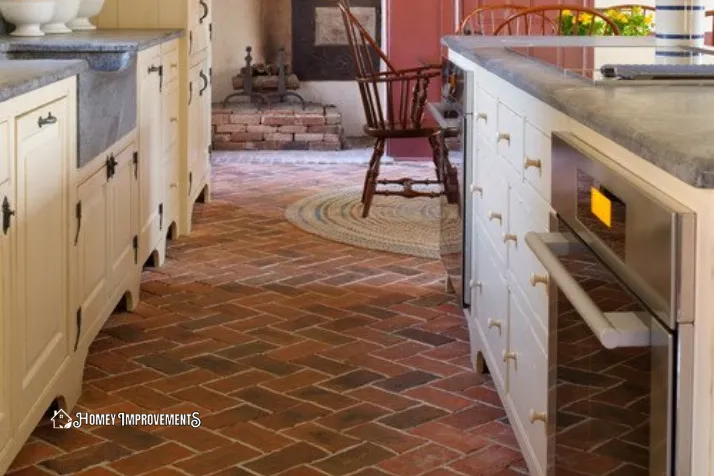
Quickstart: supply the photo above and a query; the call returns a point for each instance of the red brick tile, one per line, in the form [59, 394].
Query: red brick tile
[33, 453]
[402, 351]
[297, 454]
[216, 460]
[450, 437]
[198, 439]
[488, 461]
[383, 398]
[439, 398]
[298, 350]
[205, 398]
[473, 416]
[422, 459]
[375, 364]
[257, 437]
[431, 365]
[162, 455]
[396, 441]
[320, 436]
[185, 380]
[245, 379]
[129, 379]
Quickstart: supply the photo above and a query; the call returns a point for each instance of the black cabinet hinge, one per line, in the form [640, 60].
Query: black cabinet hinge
[210, 74]
[135, 243]
[161, 216]
[136, 164]
[110, 168]
[7, 214]
[210, 31]
[190, 183]
[78, 215]
[79, 328]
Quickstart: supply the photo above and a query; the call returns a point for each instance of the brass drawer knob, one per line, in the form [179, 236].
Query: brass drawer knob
[535, 163]
[535, 416]
[510, 356]
[494, 323]
[504, 136]
[539, 279]
[510, 237]
[495, 216]
[482, 115]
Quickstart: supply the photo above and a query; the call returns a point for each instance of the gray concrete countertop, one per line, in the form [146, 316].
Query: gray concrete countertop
[91, 41]
[23, 76]
[670, 126]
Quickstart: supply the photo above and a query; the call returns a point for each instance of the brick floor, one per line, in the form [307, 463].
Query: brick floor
[292, 372]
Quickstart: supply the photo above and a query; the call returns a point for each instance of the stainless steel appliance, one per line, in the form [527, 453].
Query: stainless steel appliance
[455, 115]
[622, 65]
[620, 262]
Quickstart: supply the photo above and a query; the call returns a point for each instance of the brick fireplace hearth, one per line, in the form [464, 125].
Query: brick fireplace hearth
[283, 126]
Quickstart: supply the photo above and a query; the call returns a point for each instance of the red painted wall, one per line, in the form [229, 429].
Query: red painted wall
[414, 30]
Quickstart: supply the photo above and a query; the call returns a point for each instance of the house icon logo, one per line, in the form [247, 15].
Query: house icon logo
[61, 419]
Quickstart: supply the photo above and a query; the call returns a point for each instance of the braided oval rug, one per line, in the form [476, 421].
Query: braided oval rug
[395, 224]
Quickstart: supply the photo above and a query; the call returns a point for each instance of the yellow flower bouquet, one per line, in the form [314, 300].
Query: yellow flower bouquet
[635, 22]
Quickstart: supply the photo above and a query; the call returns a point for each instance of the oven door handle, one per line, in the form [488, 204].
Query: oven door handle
[613, 330]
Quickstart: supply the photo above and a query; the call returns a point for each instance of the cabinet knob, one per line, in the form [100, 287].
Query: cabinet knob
[475, 284]
[535, 416]
[504, 136]
[494, 323]
[476, 189]
[482, 115]
[174, 65]
[510, 237]
[495, 216]
[510, 356]
[535, 163]
[539, 279]
[173, 119]
[173, 185]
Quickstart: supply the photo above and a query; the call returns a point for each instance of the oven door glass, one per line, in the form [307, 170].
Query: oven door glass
[611, 369]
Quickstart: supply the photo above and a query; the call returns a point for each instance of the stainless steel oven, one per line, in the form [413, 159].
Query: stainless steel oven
[455, 115]
[620, 271]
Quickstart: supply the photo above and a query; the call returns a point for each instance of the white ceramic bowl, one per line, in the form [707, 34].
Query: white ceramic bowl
[65, 10]
[27, 15]
[87, 10]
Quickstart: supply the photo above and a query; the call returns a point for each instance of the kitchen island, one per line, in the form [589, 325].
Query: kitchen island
[661, 137]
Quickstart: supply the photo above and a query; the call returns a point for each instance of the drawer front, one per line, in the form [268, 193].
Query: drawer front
[170, 116]
[493, 206]
[485, 117]
[41, 119]
[536, 163]
[5, 146]
[529, 212]
[509, 136]
[490, 295]
[528, 383]
[170, 62]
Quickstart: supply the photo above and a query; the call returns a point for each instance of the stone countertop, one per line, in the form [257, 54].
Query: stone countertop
[670, 126]
[91, 41]
[22, 76]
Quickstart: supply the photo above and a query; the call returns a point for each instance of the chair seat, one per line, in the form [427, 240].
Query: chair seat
[400, 132]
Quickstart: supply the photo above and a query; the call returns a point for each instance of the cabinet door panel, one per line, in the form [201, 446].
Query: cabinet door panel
[42, 247]
[6, 294]
[123, 210]
[93, 250]
[150, 157]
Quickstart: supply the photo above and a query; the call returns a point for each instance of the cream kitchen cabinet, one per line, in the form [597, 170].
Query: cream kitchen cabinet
[151, 154]
[37, 152]
[106, 239]
[193, 72]
[171, 171]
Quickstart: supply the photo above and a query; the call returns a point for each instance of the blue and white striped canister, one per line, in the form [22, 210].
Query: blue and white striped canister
[679, 23]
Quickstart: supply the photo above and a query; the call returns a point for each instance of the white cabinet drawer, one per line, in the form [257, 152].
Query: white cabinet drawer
[509, 136]
[41, 119]
[529, 212]
[528, 383]
[536, 163]
[493, 206]
[486, 117]
[490, 297]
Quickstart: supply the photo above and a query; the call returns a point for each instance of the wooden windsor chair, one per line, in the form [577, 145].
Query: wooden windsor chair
[548, 20]
[394, 103]
[484, 20]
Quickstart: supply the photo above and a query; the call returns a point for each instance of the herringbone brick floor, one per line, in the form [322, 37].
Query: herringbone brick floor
[304, 357]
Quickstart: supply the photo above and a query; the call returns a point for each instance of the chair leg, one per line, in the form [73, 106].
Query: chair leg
[438, 149]
[370, 181]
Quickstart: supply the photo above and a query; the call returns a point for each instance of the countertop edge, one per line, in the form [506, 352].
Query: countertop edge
[69, 44]
[65, 69]
[561, 92]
